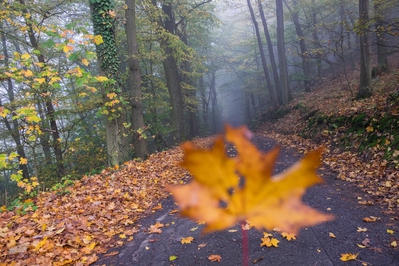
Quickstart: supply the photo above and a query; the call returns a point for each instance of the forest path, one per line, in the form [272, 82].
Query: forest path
[319, 245]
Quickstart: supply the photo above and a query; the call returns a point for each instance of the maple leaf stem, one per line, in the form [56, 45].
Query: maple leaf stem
[245, 245]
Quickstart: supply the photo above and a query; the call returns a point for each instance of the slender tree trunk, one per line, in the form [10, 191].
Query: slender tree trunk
[204, 102]
[139, 142]
[271, 52]
[381, 36]
[316, 40]
[302, 45]
[281, 53]
[50, 111]
[365, 71]
[262, 56]
[14, 129]
[213, 99]
[190, 93]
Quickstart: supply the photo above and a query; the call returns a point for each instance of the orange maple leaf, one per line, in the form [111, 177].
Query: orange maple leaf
[187, 240]
[245, 186]
[215, 258]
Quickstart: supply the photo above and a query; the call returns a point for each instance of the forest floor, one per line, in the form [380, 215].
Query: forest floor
[126, 217]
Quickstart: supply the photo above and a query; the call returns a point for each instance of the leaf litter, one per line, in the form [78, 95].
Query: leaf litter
[99, 213]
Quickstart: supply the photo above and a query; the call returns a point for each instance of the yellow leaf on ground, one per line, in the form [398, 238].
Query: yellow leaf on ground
[288, 236]
[348, 256]
[187, 240]
[389, 231]
[264, 201]
[331, 235]
[269, 242]
[359, 229]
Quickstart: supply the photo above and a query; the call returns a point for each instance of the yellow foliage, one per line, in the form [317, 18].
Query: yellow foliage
[262, 200]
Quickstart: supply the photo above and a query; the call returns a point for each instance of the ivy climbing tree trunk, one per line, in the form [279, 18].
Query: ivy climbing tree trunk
[262, 56]
[103, 24]
[365, 71]
[285, 90]
[140, 145]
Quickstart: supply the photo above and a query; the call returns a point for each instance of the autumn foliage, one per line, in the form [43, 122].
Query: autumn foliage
[226, 191]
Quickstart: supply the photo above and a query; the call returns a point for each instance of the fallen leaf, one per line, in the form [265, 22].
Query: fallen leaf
[348, 256]
[155, 228]
[394, 244]
[186, 240]
[173, 212]
[215, 258]
[389, 231]
[201, 246]
[266, 241]
[264, 201]
[361, 246]
[19, 249]
[257, 260]
[266, 234]
[359, 229]
[232, 230]
[366, 242]
[246, 226]
[158, 207]
[331, 235]
[172, 258]
[370, 219]
[193, 229]
[288, 236]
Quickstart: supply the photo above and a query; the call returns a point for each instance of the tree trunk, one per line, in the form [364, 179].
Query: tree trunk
[271, 52]
[365, 72]
[262, 56]
[48, 101]
[281, 53]
[204, 102]
[139, 142]
[14, 129]
[173, 77]
[190, 92]
[213, 99]
[316, 40]
[381, 36]
[117, 150]
[302, 45]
